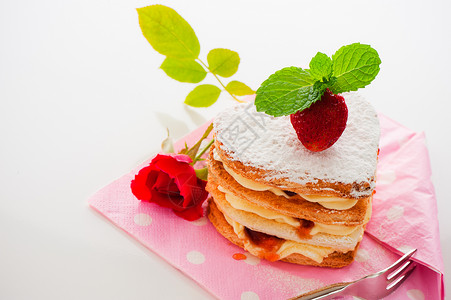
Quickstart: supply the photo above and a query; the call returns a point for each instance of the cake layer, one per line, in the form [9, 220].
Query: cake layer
[286, 248]
[335, 259]
[244, 205]
[283, 230]
[267, 150]
[294, 206]
[330, 202]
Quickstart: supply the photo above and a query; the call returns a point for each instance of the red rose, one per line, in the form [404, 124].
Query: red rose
[170, 181]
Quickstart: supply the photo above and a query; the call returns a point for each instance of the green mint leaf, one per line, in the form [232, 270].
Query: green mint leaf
[287, 91]
[318, 90]
[167, 32]
[183, 70]
[223, 62]
[239, 89]
[321, 67]
[203, 95]
[355, 66]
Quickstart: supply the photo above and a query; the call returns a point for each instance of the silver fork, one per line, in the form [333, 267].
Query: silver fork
[374, 286]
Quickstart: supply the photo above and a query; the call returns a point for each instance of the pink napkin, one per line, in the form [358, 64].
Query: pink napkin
[404, 217]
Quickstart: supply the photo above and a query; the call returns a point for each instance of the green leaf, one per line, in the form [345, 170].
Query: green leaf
[355, 66]
[167, 146]
[203, 95]
[239, 89]
[184, 150]
[183, 70]
[321, 67]
[202, 173]
[167, 32]
[192, 152]
[223, 62]
[287, 91]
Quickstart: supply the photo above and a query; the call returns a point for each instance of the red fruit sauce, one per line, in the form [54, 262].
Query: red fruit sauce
[305, 228]
[239, 256]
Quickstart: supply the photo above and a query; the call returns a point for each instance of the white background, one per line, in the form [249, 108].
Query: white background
[82, 101]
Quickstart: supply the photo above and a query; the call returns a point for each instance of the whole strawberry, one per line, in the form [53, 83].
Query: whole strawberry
[319, 126]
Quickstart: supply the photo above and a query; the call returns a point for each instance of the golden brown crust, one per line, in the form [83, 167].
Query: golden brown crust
[294, 206]
[321, 187]
[334, 260]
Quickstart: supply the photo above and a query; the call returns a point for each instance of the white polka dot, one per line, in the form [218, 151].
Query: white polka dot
[405, 248]
[195, 257]
[362, 255]
[395, 212]
[252, 260]
[415, 294]
[357, 298]
[385, 177]
[200, 222]
[142, 219]
[249, 296]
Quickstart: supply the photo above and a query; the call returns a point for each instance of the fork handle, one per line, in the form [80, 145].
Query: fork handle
[324, 291]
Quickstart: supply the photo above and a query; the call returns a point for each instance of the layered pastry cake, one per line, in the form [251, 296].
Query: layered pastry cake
[280, 201]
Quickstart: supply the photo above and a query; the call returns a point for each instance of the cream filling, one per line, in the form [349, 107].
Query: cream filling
[316, 253]
[331, 202]
[240, 204]
[326, 201]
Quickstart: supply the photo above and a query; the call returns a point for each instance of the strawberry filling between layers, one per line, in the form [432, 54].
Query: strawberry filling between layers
[273, 248]
[268, 243]
[306, 228]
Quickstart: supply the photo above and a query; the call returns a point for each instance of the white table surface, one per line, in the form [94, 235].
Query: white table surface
[82, 101]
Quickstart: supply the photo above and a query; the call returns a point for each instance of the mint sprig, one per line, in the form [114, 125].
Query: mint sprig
[171, 35]
[321, 67]
[355, 66]
[289, 89]
[294, 89]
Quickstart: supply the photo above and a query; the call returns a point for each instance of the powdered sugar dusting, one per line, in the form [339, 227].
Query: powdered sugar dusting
[262, 141]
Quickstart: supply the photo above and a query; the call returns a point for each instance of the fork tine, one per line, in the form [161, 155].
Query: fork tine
[400, 262]
[401, 278]
[399, 270]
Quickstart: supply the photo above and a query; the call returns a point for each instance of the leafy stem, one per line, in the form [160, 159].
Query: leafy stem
[220, 82]
[198, 156]
[171, 35]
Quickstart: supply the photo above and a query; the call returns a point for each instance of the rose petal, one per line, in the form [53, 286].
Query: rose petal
[191, 214]
[186, 183]
[202, 184]
[163, 182]
[165, 201]
[170, 181]
[139, 185]
[183, 158]
[183, 173]
[193, 194]
[171, 166]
